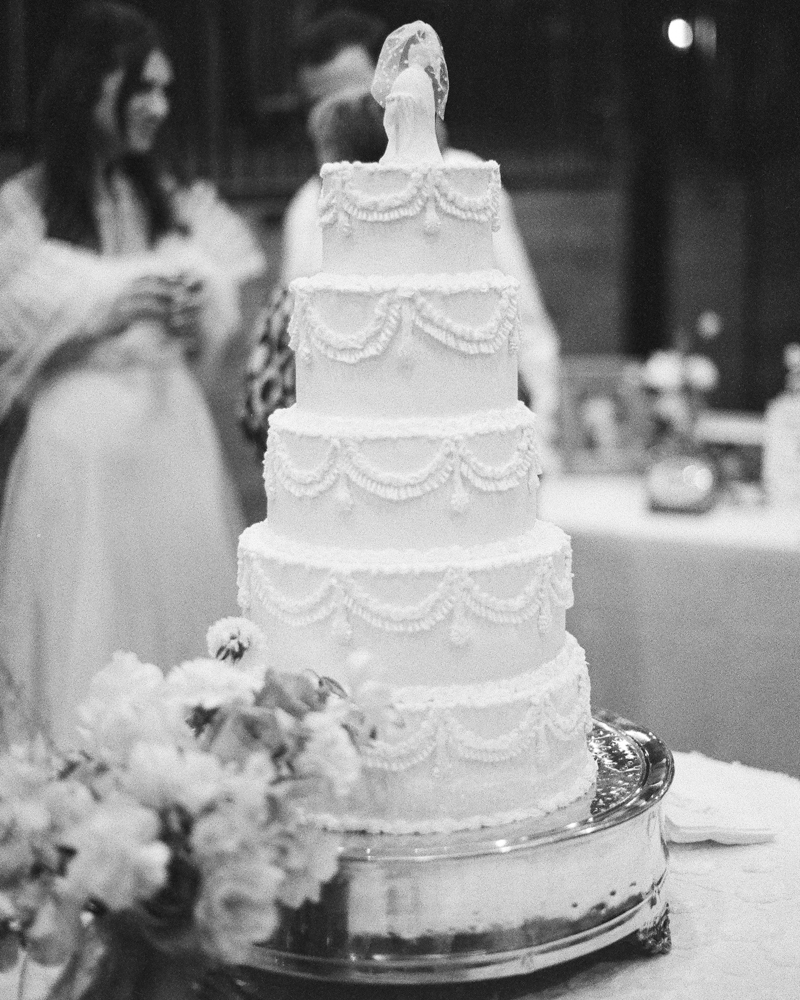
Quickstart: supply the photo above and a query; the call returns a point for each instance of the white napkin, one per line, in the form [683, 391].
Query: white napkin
[706, 802]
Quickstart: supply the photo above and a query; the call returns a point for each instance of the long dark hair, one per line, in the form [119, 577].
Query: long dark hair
[101, 38]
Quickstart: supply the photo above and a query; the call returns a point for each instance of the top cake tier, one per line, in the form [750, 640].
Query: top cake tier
[386, 219]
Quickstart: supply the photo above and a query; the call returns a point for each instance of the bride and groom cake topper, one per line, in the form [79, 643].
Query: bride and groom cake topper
[411, 83]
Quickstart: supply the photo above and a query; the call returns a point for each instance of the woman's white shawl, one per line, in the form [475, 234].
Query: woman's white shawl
[53, 293]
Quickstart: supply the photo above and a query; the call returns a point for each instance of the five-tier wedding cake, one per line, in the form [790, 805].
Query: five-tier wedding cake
[402, 487]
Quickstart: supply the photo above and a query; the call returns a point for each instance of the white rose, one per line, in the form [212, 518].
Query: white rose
[233, 632]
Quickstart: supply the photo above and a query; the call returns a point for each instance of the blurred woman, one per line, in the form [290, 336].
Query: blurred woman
[119, 523]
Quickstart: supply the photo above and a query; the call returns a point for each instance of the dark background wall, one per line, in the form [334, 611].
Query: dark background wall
[651, 182]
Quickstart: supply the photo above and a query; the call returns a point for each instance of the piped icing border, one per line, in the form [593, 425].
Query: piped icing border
[431, 189]
[446, 449]
[438, 730]
[303, 421]
[399, 306]
[454, 593]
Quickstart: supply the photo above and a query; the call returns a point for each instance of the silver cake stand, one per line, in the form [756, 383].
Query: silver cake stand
[496, 902]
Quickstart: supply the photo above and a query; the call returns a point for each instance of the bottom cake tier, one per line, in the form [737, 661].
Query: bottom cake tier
[468, 756]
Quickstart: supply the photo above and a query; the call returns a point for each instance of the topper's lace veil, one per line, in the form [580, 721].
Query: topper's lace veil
[415, 44]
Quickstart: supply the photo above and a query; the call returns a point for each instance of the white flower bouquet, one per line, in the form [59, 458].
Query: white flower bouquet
[177, 828]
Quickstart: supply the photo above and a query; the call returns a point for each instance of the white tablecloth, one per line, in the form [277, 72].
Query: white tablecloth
[691, 623]
[734, 911]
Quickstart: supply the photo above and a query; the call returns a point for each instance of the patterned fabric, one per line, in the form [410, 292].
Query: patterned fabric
[269, 379]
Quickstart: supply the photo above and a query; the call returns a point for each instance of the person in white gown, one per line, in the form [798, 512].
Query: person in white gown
[119, 523]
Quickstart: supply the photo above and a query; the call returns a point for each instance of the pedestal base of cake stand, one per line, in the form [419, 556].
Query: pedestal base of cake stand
[488, 903]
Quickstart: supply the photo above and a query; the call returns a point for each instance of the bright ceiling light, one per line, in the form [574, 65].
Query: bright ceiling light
[679, 33]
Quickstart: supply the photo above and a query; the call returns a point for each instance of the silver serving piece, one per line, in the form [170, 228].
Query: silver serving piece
[500, 901]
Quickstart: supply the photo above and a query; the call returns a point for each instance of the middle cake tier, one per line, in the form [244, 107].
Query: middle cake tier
[453, 614]
[411, 482]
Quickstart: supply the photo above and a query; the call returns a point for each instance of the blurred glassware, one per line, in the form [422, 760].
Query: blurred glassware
[682, 483]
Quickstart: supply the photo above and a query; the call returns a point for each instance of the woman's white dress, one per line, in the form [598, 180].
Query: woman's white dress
[120, 522]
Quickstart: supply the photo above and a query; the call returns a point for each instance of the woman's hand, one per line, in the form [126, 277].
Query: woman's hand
[146, 298]
[188, 300]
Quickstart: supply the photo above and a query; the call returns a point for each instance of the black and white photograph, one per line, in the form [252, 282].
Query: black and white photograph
[399, 499]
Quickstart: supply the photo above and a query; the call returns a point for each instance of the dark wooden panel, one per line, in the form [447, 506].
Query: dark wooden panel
[14, 98]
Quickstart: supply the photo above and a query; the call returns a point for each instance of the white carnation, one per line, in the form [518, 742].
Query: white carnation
[230, 633]
[243, 642]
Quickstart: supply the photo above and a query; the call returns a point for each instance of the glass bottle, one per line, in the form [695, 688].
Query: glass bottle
[781, 461]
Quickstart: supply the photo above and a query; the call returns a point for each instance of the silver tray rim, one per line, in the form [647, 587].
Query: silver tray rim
[658, 771]
[442, 968]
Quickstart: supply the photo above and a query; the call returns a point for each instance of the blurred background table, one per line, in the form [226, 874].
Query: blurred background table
[691, 623]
